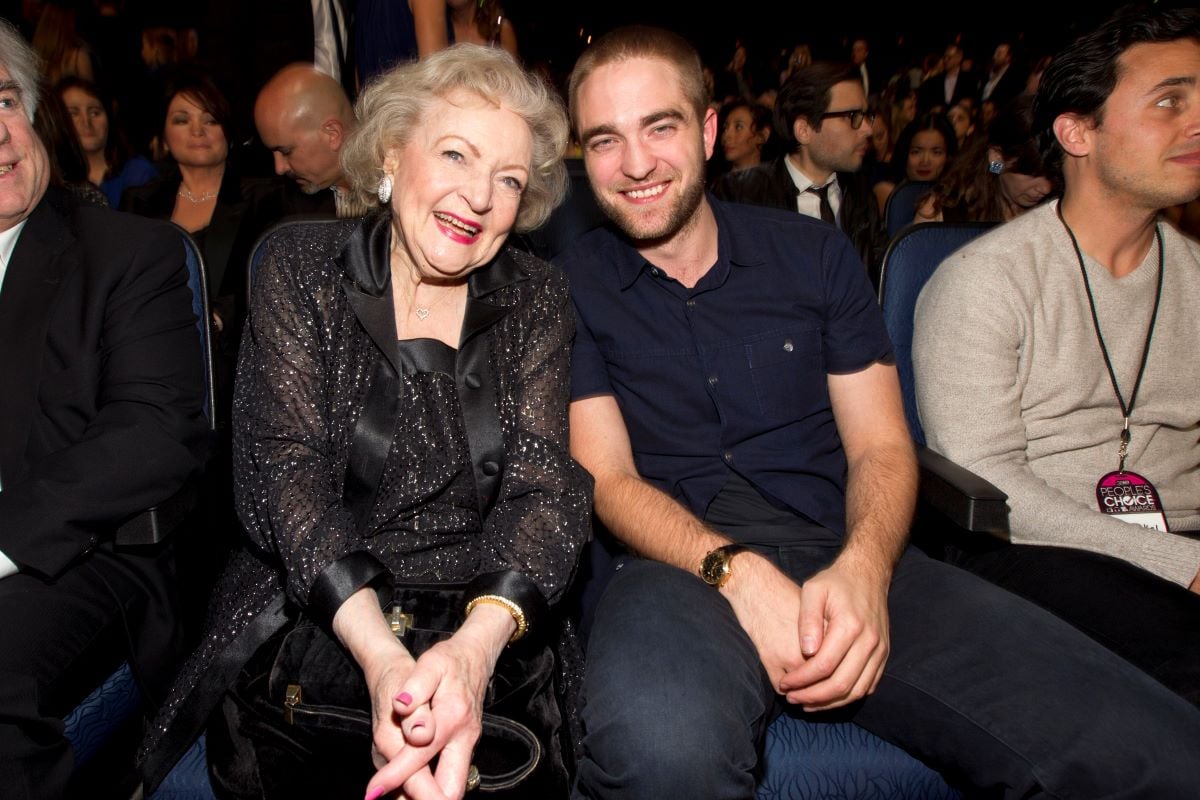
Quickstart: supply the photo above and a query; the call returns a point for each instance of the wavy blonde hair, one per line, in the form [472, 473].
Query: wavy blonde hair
[394, 103]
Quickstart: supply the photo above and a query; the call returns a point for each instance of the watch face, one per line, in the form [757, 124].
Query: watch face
[715, 568]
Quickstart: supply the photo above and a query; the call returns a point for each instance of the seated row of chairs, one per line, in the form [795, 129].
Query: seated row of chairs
[802, 758]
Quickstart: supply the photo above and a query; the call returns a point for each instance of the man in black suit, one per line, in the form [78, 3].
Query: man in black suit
[950, 86]
[821, 114]
[101, 417]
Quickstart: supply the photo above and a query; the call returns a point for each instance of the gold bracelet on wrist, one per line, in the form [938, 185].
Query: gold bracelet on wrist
[517, 614]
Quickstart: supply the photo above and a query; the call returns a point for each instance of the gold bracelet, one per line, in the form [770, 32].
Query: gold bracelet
[517, 614]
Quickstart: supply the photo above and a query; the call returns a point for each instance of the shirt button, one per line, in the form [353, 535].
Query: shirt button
[727, 455]
[654, 271]
[787, 346]
[712, 380]
[472, 380]
[691, 303]
[491, 468]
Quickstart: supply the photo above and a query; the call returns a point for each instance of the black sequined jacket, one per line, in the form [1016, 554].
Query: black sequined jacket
[475, 477]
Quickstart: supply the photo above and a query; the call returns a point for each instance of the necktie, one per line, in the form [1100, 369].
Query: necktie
[826, 210]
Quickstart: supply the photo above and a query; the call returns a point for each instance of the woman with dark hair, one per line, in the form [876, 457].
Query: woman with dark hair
[922, 152]
[998, 177]
[111, 163]
[204, 194]
[744, 134]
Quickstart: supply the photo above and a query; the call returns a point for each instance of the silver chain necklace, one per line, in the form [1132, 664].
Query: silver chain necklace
[203, 198]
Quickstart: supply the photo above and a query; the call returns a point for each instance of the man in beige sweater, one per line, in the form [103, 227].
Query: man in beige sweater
[1058, 355]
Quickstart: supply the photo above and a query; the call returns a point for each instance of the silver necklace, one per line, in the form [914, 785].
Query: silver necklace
[203, 198]
[423, 312]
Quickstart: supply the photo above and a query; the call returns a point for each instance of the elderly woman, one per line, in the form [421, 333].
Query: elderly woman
[401, 420]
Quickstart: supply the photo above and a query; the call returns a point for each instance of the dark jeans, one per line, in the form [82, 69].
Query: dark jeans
[1141, 617]
[983, 686]
[58, 642]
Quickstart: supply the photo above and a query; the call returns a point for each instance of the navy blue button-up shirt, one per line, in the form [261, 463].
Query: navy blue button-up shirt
[731, 374]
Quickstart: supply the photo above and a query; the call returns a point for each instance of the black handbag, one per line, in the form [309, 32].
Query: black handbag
[318, 687]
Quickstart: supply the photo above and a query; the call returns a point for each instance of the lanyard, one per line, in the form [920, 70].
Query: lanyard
[1126, 410]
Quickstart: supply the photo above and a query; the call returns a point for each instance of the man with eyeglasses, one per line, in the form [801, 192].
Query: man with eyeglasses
[821, 114]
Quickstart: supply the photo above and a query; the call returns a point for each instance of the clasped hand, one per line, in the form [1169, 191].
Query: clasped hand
[823, 644]
[427, 715]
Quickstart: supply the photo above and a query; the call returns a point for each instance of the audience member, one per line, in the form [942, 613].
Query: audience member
[998, 177]
[962, 118]
[798, 56]
[945, 89]
[303, 117]
[745, 132]
[923, 150]
[67, 162]
[359, 333]
[1049, 353]
[101, 418]
[872, 79]
[736, 401]
[1003, 82]
[57, 42]
[823, 119]
[204, 192]
[111, 162]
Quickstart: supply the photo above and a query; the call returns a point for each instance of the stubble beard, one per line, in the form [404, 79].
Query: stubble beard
[644, 231]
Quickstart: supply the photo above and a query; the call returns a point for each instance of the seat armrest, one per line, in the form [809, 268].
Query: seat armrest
[963, 497]
[155, 524]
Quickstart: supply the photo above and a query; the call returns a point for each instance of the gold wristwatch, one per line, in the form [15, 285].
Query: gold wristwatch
[715, 568]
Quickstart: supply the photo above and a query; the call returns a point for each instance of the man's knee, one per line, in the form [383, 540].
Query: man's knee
[675, 698]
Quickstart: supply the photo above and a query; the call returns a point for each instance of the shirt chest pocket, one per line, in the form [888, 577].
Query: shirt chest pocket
[786, 370]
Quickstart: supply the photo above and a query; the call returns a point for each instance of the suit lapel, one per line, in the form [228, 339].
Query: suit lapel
[44, 256]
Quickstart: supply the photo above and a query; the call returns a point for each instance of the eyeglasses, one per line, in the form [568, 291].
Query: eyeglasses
[854, 115]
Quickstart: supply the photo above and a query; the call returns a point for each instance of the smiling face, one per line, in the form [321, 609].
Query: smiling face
[740, 140]
[643, 146]
[24, 166]
[90, 119]
[194, 137]
[457, 185]
[1146, 150]
[926, 156]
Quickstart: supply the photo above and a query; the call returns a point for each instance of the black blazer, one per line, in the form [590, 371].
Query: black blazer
[101, 412]
[932, 93]
[770, 184]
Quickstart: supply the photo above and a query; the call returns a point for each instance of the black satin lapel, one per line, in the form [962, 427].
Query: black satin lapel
[377, 317]
[45, 254]
[479, 316]
[478, 395]
[373, 434]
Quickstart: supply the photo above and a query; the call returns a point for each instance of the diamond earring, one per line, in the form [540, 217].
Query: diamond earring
[384, 192]
[994, 167]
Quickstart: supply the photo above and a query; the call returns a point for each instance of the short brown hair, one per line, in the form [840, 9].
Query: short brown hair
[643, 41]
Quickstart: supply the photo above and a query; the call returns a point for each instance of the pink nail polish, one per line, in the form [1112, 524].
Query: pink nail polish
[405, 699]
[374, 794]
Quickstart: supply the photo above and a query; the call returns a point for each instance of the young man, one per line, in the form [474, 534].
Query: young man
[821, 116]
[735, 402]
[100, 419]
[1031, 374]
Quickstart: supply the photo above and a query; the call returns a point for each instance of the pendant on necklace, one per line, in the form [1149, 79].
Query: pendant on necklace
[422, 313]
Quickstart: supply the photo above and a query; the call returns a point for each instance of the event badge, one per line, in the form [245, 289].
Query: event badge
[1129, 497]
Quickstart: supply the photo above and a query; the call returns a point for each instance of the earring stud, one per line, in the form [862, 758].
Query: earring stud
[384, 192]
